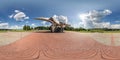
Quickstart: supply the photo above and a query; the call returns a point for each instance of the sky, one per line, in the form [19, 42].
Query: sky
[80, 13]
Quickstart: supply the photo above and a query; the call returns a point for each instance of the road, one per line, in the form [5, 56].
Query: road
[59, 46]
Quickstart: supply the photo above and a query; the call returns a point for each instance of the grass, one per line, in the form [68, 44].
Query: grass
[83, 31]
[111, 31]
[98, 31]
[2, 31]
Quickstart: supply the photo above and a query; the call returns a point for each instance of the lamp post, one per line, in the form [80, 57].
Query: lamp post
[112, 37]
[20, 31]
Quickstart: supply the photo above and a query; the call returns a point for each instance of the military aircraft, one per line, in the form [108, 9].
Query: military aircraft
[56, 25]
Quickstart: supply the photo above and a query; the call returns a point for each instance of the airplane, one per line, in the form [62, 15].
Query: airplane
[56, 25]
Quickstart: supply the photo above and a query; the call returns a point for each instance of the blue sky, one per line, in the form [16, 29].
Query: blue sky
[47, 8]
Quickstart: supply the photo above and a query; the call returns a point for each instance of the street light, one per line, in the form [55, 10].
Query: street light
[20, 32]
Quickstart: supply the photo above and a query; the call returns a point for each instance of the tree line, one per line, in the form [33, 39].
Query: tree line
[91, 30]
[27, 27]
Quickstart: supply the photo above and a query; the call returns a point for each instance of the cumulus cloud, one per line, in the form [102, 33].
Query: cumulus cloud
[92, 19]
[115, 26]
[15, 27]
[26, 18]
[4, 25]
[60, 18]
[19, 16]
[43, 23]
[16, 11]
[11, 16]
[102, 25]
[33, 24]
[46, 24]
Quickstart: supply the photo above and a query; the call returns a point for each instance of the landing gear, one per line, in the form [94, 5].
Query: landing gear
[52, 29]
[56, 29]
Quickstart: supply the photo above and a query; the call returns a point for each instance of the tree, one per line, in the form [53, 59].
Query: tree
[26, 27]
[41, 28]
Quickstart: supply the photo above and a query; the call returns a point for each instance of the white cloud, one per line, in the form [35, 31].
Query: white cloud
[60, 18]
[115, 26]
[92, 19]
[44, 22]
[102, 25]
[19, 16]
[11, 16]
[33, 24]
[16, 11]
[55, 17]
[107, 12]
[4, 25]
[15, 27]
[26, 18]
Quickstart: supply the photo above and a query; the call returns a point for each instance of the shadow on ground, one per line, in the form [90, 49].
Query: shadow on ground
[47, 32]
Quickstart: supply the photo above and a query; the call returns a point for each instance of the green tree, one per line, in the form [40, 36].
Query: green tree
[26, 27]
[41, 28]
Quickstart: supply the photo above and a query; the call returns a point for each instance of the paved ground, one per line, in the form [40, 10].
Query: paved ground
[10, 37]
[60, 46]
[111, 39]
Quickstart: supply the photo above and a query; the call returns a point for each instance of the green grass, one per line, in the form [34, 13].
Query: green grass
[83, 31]
[2, 31]
[22, 31]
[111, 31]
[98, 31]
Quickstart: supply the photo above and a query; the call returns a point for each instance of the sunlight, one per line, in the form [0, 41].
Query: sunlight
[82, 16]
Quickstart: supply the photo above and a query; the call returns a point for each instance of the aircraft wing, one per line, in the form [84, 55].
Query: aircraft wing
[43, 18]
[54, 21]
